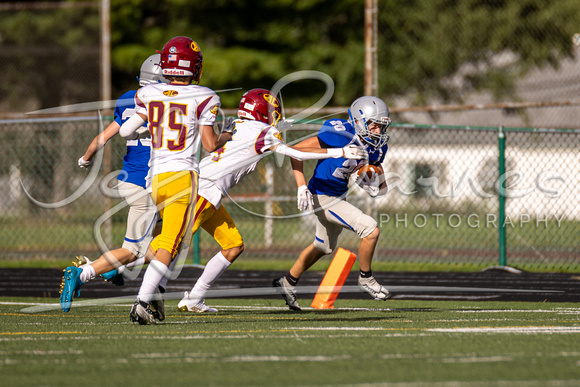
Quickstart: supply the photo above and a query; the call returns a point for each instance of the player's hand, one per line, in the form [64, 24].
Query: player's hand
[143, 132]
[229, 125]
[371, 189]
[305, 201]
[355, 152]
[374, 186]
[84, 164]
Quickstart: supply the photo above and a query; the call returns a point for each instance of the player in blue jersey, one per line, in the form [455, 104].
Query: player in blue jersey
[327, 189]
[142, 211]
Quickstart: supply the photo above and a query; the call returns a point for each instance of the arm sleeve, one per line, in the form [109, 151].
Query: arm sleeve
[285, 150]
[128, 129]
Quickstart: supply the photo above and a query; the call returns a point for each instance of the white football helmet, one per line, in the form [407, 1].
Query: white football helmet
[365, 111]
[151, 71]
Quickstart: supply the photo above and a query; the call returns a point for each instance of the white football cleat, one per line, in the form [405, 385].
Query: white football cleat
[372, 287]
[194, 304]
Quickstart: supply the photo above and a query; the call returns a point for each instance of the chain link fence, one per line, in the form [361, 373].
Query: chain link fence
[497, 63]
[442, 207]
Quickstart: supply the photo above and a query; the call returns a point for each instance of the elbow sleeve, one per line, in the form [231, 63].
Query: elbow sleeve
[299, 155]
[129, 128]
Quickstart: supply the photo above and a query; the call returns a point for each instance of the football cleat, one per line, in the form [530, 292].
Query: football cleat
[141, 314]
[81, 261]
[70, 286]
[115, 277]
[157, 306]
[194, 304]
[287, 291]
[372, 287]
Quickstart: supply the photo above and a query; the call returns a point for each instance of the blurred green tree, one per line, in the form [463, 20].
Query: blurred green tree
[427, 48]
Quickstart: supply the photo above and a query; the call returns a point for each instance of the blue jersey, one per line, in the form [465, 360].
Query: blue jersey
[136, 161]
[331, 175]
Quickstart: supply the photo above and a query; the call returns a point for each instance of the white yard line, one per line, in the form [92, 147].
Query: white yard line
[524, 330]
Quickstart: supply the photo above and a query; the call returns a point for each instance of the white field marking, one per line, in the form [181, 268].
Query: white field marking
[481, 383]
[50, 306]
[213, 336]
[479, 319]
[555, 310]
[273, 358]
[524, 330]
[569, 354]
[37, 352]
[475, 359]
[266, 291]
[456, 358]
[333, 329]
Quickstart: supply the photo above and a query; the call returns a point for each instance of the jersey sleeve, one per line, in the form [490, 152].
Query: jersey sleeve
[140, 101]
[267, 138]
[207, 109]
[335, 133]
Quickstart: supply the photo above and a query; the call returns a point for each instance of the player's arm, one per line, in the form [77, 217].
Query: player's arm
[98, 143]
[298, 165]
[211, 140]
[304, 152]
[304, 197]
[129, 128]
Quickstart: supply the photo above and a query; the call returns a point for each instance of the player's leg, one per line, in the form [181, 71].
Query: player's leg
[175, 194]
[325, 241]
[140, 221]
[220, 225]
[341, 212]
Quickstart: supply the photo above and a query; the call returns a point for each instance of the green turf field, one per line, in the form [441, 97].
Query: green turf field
[258, 342]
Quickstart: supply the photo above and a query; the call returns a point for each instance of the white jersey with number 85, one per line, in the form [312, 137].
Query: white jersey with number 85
[175, 114]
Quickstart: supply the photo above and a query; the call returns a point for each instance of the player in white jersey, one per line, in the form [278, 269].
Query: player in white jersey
[254, 137]
[180, 116]
[142, 211]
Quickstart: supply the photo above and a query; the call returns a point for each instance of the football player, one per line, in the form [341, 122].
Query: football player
[254, 136]
[180, 116]
[142, 211]
[327, 189]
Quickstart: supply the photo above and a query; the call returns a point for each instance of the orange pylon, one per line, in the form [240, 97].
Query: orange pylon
[333, 279]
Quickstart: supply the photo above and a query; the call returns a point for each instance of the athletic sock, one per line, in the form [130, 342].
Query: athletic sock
[137, 262]
[366, 274]
[155, 271]
[163, 283]
[291, 279]
[87, 274]
[213, 270]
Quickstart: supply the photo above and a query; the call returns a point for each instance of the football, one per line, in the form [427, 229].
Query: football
[369, 171]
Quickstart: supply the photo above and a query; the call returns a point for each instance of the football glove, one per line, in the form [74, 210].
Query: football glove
[372, 185]
[84, 164]
[143, 132]
[305, 201]
[229, 125]
[355, 152]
